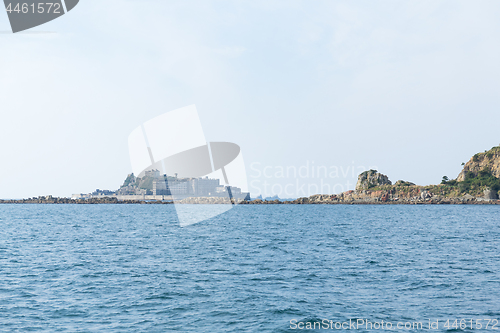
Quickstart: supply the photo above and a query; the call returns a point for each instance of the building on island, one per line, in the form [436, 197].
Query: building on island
[198, 187]
[154, 186]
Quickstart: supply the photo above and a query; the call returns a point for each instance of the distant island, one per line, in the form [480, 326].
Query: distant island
[477, 183]
[155, 186]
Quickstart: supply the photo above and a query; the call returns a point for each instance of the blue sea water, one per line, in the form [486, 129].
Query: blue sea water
[132, 268]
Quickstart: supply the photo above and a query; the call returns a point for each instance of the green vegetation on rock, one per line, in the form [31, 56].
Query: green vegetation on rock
[129, 180]
[475, 184]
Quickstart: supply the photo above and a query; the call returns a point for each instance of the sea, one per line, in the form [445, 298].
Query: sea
[255, 268]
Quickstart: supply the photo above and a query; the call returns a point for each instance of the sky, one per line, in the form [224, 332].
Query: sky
[314, 92]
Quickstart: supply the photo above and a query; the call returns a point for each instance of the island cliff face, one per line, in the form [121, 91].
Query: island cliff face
[371, 178]
[489, 160]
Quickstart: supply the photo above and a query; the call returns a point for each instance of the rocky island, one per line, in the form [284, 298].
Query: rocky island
[477, 183]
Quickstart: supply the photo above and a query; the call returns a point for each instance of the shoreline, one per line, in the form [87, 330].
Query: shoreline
[300, 201]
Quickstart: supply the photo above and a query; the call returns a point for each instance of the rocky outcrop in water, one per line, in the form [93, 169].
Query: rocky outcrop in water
[478, 183]
[371, 178]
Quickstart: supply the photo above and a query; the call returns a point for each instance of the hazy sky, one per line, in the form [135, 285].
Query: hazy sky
[411, 87]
